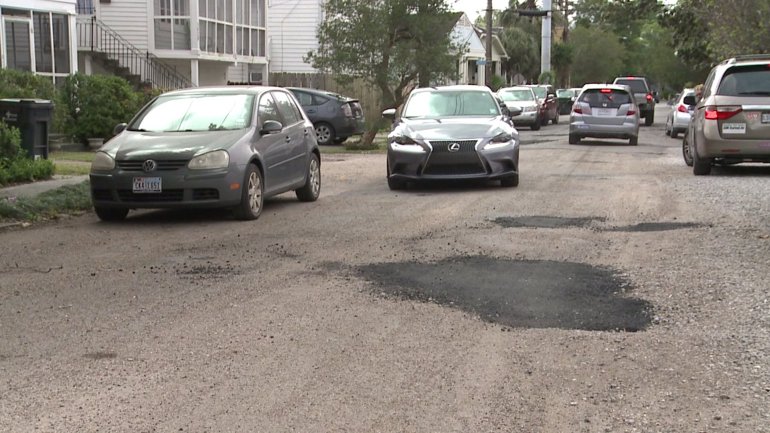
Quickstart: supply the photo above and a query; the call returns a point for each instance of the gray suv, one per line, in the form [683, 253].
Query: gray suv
[642, 94]
[731, 121]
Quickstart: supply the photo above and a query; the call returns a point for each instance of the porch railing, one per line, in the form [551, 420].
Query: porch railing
[97, 37]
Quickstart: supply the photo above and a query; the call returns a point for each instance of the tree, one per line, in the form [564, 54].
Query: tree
[561, 58]
[388, 43]
[590, 44]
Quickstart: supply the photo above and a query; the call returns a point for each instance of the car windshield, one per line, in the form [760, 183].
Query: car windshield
[541, 92]
[451, 103]
[746, 81]
[637, 86]
[517, 95]
[565, 93]
[605, 98]
[196, 112]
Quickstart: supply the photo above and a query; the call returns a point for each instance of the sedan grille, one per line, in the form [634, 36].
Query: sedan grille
[443, 146]
[171, 195]
[162, 165]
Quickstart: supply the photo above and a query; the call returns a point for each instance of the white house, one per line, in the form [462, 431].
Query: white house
[175, 43]
[292, 25]
[38, 36]
[472, 66]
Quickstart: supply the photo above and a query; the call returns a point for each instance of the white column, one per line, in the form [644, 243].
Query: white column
[545, 49]
[71, 23]
[480, 76]
[194, 72]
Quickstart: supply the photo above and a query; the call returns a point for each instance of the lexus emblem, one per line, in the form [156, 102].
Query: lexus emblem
[149, 165]
[454, 147]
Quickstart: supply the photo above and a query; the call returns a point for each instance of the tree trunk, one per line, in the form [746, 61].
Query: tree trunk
[367, 140]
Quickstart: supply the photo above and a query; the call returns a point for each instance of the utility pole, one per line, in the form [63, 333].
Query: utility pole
[488, 64]
[545, 49]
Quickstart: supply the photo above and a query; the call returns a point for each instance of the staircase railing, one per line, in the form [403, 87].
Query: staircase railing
[98, 37]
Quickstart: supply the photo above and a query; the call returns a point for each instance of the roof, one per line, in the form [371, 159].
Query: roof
[456, 87]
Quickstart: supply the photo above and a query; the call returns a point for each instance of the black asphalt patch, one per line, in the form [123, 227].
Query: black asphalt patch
[519, 293]
[654, 227]
[546, 222]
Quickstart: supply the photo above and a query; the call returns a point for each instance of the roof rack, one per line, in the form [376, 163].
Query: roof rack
[748, 57]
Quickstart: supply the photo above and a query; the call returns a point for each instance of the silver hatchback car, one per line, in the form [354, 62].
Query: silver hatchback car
[604, 111]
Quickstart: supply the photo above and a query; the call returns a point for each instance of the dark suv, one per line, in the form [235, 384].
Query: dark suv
[642, 94]
[335, 117]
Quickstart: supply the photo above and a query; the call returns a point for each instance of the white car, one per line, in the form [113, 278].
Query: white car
[681, 112]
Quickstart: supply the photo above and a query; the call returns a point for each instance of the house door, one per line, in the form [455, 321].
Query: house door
[17, 43]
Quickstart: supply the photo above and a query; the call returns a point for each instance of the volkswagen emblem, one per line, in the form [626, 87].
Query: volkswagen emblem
[454, 147]
[149, 165]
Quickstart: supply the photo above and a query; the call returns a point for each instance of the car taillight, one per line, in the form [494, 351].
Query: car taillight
[717, 112]
[606, 91]
[631, 112]
[577, 110]
[649, 97]
[347, 111]
[681, 108]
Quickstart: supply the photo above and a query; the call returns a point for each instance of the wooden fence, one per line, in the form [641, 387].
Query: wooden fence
[369, 96]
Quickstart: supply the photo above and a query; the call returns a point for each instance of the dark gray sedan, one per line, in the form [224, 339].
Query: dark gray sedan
[208, 147]
[452, 132]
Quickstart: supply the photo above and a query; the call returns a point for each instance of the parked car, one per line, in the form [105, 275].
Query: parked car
[565, 98]
[451, 132]
[208, 147]
[731, 121]
[643, 95]
[524, 99]
[604, 111]
[334, 116]
[549, 109]
[679, 117]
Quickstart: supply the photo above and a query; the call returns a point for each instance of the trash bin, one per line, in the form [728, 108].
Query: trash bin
[33, 117]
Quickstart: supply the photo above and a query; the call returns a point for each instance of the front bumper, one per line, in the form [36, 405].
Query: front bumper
[439, 164]
[526, 118]
[179, 189]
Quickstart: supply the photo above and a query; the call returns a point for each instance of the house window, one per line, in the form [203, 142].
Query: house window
[172, 24]
[17, 45]
[45, 50]
[225, 29]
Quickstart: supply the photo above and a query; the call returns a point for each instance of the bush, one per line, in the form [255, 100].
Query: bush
[545, 78]
[15, 165]
[50, 204]
[96, 103]
[497, 82]
[19, 84]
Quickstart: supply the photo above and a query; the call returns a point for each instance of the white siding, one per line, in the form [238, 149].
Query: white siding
[57, 6]
[291, 27]
[128, 18]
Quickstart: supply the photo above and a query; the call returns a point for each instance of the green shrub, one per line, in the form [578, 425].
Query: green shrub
[50, 204]
[15, 165]
[19, 84]
[10, 144]
[497, 82]
[96, 103]
[545, 78]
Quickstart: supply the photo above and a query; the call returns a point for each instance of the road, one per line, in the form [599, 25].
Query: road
[611, 291]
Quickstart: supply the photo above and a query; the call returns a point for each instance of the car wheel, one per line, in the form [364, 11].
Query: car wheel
[648, 118]
[544, 121]
[633, 141]
[340, 140]
[667, 129]
[686, 151]
[674, 133]
[574, 139]
[252, 195]
[312, 187]
[510, 181]
[535, 126]
[111, 214]
[324, 133]
[700, 166]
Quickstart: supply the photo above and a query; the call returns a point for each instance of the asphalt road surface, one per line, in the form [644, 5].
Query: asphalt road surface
[611, 291]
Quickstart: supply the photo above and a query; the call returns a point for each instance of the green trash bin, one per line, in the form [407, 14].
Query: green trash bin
[33, 117]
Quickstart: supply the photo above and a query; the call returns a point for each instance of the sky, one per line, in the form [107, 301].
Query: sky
[475, 8]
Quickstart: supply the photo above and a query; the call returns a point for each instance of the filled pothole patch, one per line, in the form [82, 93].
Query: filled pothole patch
[519, 293]
[654, 227]
[547, 222]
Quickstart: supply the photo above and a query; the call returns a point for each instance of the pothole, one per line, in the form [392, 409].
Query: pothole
[519, 293]
[547, 222]
[654, 227]
[101, 355]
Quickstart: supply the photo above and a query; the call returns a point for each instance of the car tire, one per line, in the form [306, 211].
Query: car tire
[535, 126]
[686, 151]
[648, 118]
[544, 121]
[312, 187]
[510, 181]
[324, 133]
[252, 195]
[700, 166]
[667, 129]
[111, 213]
[574, 139]
[674, 133]
[633, 141]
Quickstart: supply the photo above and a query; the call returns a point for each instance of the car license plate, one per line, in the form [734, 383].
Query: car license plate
[604, 112]
[765, 117]
[147, 184]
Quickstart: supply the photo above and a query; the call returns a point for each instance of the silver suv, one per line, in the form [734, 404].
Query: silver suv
[731, 122]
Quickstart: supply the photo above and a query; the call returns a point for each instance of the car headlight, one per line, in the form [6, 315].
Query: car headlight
[215, 159]
[403, 140]
[531, 108]
[102, 162]
[500, 140]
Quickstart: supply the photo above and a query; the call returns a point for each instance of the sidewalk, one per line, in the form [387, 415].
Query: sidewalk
[34, 188]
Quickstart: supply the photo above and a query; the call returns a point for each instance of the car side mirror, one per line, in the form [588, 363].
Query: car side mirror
[120, 127]
[514, 111]
[689, 100]
[390, 113]
[271, 127]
